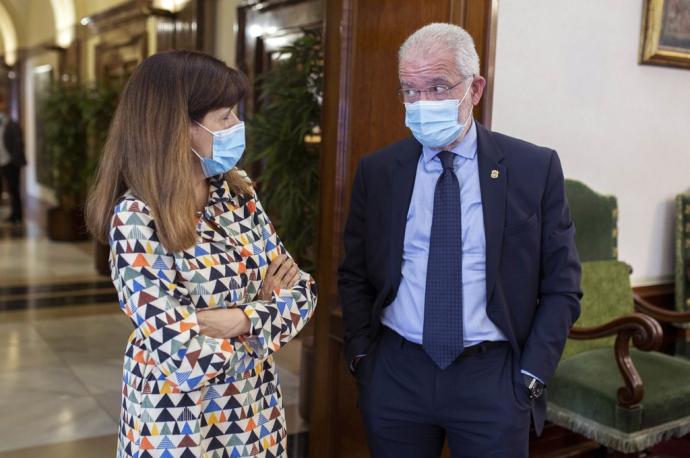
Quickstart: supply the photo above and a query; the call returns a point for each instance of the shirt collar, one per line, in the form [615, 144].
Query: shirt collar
[467, 147]
[218, 203]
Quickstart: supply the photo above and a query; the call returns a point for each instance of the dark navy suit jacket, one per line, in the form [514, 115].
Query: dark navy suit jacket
[532, 266]
[14, 143]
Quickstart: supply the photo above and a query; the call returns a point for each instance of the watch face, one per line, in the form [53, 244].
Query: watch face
[537, 390]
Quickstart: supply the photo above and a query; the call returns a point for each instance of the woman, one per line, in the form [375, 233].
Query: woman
[197, 265]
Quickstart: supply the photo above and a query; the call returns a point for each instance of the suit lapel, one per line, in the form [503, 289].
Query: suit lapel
[492, 182]
[404, 171]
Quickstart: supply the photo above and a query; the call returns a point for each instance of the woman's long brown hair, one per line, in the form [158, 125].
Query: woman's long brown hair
[148, 147]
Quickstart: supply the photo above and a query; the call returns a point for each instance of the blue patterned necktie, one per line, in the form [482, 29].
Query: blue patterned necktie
[443, 335]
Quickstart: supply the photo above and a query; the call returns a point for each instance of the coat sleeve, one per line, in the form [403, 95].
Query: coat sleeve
[355, 291]
[274, 323]
[164, 318]
[559, 288]
[15, 143]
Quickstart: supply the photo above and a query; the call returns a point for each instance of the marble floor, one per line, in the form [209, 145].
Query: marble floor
[62, 338]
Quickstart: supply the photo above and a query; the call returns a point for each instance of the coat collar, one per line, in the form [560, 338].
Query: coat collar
[218, 191]
[493, 185]
[403, 178]
[219, 202]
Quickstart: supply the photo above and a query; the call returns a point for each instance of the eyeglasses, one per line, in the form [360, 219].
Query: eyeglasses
[436, 92]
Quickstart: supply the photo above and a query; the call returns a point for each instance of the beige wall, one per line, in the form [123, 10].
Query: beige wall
[39, 26]
[7, 15]
[226, 30]
[91, 7]
[35, 22]
[567, 77]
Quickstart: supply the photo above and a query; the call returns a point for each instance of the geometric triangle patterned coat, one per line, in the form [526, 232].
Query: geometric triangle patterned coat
[185, 394]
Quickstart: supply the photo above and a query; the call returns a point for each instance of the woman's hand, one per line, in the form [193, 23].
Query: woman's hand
[282, 273]
[223, 323]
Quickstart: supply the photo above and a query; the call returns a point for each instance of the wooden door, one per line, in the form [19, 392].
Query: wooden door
[361, 114]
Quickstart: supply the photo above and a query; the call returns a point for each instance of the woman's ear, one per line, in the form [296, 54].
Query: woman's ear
[194, 135]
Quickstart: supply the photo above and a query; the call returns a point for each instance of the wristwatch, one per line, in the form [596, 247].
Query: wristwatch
[535, 387]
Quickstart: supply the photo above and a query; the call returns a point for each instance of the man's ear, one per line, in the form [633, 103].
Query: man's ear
[477, 90]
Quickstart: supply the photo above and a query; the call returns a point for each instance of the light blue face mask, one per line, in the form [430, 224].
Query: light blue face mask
[434, 123]
[226, 151]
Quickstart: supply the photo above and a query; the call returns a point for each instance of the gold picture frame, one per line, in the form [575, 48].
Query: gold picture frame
[665, 35]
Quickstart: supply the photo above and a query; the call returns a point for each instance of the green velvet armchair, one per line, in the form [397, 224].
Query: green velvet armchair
[596, 221]
[627, 399]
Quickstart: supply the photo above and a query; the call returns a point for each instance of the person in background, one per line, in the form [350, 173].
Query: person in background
[197, 265]
[461, 278]
[12, 160]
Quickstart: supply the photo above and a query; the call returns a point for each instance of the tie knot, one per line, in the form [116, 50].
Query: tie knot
[446, 160]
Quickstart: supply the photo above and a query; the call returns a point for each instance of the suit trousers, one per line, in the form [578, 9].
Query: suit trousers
[11, 175]
[410, 406]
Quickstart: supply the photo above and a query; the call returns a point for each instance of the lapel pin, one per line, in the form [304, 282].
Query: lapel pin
[494, 174]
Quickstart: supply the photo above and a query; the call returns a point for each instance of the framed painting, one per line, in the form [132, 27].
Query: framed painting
[665, 37]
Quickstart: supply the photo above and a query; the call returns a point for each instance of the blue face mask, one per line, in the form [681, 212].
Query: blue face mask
[434, 123]
[226, 151]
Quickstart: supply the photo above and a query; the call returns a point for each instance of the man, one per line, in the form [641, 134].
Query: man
[461, 278]
[11, 161]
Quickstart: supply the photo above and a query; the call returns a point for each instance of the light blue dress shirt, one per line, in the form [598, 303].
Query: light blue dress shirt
[405, 314]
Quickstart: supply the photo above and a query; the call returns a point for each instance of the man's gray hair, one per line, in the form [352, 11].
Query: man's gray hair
[446, 37]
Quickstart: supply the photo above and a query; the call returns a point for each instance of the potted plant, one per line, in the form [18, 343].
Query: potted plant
[284, 140]
[75, 119]
[69, 166]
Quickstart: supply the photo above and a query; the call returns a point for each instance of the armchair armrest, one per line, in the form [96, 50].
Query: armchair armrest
[646, 335]
[665, 316]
